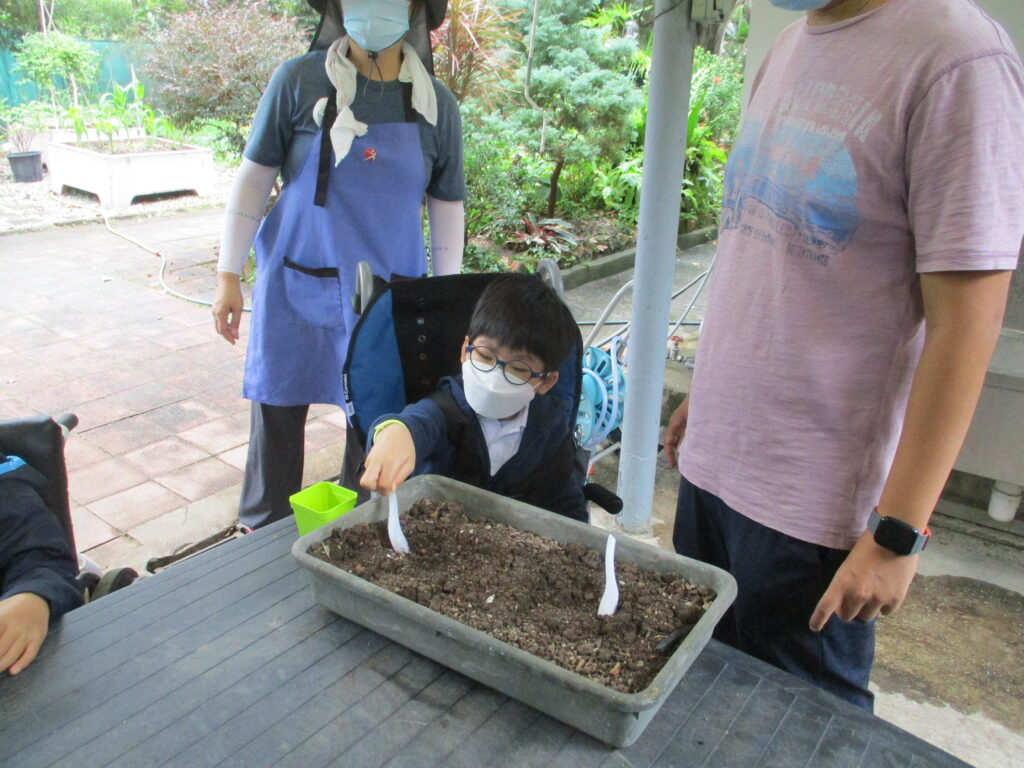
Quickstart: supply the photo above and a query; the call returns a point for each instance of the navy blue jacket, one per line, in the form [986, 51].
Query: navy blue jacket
[543, 438]
[35, 555]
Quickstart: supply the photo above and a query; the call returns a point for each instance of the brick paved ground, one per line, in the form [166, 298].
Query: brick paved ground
[157, 458]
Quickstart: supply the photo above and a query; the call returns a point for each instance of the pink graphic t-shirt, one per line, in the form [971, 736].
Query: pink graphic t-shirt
[871, 150]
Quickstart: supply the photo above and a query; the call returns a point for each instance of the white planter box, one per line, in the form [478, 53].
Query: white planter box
[53, 135]
[116, 179]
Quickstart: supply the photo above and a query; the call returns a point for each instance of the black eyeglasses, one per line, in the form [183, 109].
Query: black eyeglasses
[485, 359]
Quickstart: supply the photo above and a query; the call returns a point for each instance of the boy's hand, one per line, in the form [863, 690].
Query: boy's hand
[391, 459]
[23, 621]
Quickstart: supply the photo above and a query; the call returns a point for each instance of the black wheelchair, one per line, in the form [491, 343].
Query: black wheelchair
[39, 441]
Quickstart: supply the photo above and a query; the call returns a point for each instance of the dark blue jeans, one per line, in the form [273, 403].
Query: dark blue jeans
[780, 580]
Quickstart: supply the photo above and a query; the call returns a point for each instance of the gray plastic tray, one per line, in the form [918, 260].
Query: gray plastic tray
[613, 717]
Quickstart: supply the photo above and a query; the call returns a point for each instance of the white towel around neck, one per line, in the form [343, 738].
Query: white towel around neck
[342, 74]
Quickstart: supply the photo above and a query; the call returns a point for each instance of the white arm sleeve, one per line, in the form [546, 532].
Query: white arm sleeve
[447, 235]
[246, 206]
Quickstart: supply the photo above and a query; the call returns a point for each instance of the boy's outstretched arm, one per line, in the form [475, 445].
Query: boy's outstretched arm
[391, 459]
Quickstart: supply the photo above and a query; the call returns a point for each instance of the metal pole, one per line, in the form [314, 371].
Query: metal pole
[660, 193]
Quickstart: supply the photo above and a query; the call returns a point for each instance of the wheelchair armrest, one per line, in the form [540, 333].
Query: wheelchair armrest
[604, 498]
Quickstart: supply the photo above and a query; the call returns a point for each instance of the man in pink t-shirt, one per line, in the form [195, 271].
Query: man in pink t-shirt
[873, 213]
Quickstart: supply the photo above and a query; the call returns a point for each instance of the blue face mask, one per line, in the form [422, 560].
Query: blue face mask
[375, 25]
[800, 5]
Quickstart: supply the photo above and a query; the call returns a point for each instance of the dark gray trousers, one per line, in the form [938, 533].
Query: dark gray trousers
[273, 467]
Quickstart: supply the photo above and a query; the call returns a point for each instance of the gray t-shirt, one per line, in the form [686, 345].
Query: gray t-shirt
[283, 128]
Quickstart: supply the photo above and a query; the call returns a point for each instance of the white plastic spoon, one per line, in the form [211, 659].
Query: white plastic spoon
[610, 598]
[395, 535]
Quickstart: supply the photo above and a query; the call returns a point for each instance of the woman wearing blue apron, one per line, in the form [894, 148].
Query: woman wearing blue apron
[360, 133]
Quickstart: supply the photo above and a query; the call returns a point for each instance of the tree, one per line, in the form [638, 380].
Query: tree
[471, 55]
[41, 57]
[17, 18]
[584, 105]
[210, 64]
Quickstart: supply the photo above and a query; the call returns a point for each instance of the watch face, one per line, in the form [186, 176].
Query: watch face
[896, 535]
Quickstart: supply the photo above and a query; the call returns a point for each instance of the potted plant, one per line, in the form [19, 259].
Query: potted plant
[21, 127]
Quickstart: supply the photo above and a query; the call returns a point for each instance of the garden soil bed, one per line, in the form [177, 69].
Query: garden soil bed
[526, 590]
[122, 146]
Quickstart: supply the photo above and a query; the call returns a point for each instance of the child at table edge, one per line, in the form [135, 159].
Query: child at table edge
[479, 427]
[37, 566]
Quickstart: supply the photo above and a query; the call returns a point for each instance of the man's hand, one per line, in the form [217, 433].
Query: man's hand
[675, 430]
[871, 581]
[391, 459]
[227, 305]
[23, 621]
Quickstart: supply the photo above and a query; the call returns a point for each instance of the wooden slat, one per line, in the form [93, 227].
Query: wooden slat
[293, 728]
[445, 734]
[312, 691]
[747, 736]
[695, 684]
[708, 724]
[796, 736]
[390, 736]
[343, 732]
[134, 654]
[840, 745]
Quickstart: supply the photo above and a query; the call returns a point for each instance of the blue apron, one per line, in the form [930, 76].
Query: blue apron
[306, 258]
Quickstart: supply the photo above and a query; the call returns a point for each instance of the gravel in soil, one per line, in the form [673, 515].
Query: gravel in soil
[531, 592]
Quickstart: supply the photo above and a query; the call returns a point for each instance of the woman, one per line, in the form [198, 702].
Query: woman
[359, 134]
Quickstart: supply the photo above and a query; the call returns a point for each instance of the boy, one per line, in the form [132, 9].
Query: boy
[37, 566]
[491, 426]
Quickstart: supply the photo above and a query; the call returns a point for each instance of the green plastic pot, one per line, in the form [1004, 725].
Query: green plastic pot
[319, 504]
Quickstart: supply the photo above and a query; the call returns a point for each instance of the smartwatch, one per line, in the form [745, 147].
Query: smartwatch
[897, 536]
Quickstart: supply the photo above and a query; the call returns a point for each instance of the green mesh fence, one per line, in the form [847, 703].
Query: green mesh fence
[115, 67]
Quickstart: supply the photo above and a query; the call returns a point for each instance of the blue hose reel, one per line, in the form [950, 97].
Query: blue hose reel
[602, 396]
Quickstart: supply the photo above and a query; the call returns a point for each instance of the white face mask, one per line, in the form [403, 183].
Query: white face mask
[491, 395]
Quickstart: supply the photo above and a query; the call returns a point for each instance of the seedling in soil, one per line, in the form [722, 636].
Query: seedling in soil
[610, 598]
[395, 535]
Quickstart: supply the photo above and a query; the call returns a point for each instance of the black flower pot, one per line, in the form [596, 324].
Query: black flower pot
[26, 166]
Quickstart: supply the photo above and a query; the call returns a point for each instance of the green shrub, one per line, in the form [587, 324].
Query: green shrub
[718, 83]
[583, 104]
[211, 64]
[503, 179]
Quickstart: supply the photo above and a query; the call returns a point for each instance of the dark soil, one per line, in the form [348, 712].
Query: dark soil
[120, 146]
[528, 591]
